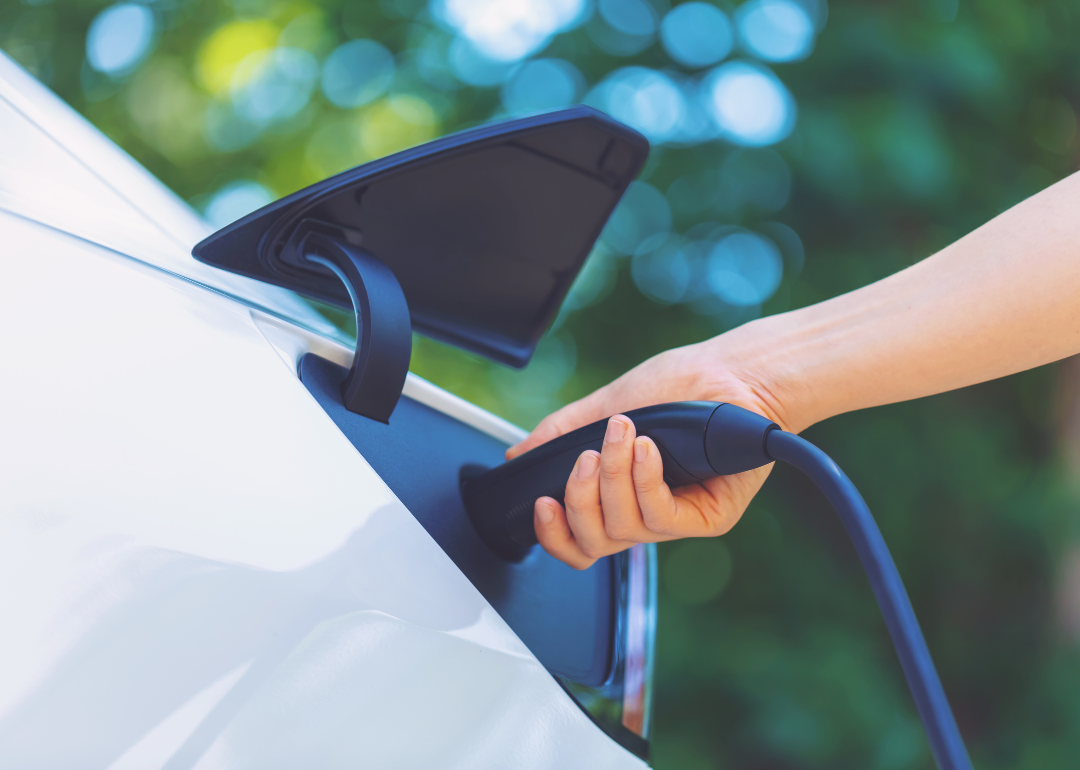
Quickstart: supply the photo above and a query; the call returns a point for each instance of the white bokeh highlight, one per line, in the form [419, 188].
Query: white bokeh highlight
[750, 105]
[509, 30]
[775, 30]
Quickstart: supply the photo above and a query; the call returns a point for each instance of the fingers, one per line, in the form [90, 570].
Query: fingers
[658, 506]
[622, 517]
[636, 502]
[553, 533]
[617, 497]
[575, 534]
[584, 512]
[600, 499]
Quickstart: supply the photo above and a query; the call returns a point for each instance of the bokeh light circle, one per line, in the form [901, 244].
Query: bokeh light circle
[744, 269]
[119, 38]
[749, 104]
[696, 34]
[648, 100]
[275, 85]
[508, 30]
[222, 53]
[357, 72]
[235, 200]
[696, 124]
[775, 30]
[396, 123]
[540, 85]
[472, 66]
[641, 221]
[664, 275]
[630, 17]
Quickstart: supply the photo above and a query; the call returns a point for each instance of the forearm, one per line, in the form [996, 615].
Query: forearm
[1003, 299]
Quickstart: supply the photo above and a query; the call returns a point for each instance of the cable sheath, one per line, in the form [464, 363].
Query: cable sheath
[937, 717]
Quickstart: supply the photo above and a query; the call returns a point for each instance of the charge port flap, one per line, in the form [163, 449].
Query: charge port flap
[564, 616]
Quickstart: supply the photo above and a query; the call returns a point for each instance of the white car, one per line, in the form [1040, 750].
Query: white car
[207, 561]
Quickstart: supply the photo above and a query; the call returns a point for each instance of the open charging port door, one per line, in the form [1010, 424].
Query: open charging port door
[473, 240]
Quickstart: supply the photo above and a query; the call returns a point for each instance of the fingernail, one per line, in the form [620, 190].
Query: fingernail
[641, 451]
[586, 465]
[616, 429]
[545, 512]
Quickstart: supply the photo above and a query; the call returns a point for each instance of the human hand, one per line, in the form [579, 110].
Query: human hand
[617, 497]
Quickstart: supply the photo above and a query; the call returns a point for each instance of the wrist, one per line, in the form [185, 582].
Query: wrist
[773, 360]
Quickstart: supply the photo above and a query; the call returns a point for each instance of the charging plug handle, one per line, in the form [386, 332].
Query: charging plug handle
[699, 440]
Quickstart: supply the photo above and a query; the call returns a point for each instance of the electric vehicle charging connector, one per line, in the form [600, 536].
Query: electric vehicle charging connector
[700, 440]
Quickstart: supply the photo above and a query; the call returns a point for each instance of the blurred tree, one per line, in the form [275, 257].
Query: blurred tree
[799, 152]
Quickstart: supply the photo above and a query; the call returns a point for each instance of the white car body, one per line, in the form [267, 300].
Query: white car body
[197, 569]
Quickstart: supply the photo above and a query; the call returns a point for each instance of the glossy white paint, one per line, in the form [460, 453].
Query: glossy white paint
[196, 568]
[57, 169]
[293, 342]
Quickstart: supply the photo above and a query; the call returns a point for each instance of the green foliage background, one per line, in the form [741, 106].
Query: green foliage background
[918, 121]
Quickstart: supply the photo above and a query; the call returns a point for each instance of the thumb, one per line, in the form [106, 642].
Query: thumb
[570, 417]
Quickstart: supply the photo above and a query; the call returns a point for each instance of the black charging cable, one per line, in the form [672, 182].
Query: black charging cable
[699, 440]
[922, 678]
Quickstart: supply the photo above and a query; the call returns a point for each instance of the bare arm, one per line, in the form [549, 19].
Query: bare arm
[1003, 299]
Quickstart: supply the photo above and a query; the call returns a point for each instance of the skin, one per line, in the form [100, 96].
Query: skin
[1003, 299]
